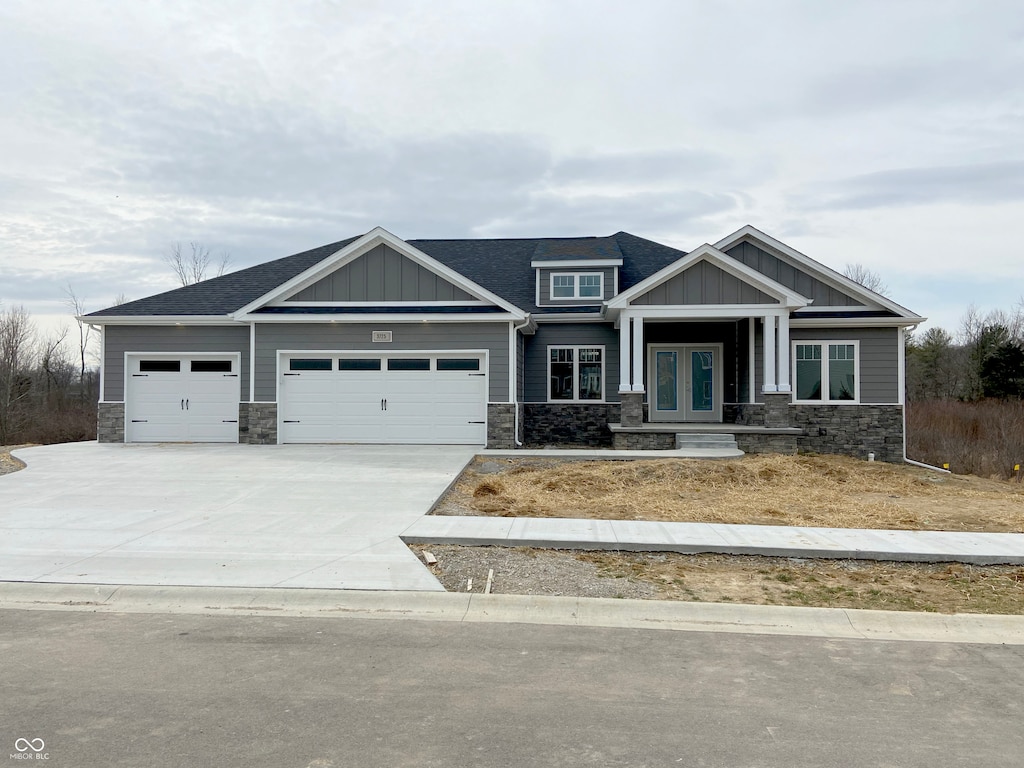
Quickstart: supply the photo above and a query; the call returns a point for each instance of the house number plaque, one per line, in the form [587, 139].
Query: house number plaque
[381, 336]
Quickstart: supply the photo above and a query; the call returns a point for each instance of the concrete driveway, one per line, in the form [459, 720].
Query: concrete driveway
[326, 516]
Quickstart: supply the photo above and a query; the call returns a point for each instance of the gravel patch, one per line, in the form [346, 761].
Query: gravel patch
[8, 463]
[524, 571]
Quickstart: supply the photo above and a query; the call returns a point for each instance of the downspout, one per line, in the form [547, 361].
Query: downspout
[514, 341]
[903, 402]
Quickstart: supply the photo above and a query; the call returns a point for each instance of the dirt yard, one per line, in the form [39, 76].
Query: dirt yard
[943, 588]
[820, 491]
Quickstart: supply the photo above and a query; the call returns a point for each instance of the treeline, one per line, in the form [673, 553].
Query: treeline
[48, 391]
[965, 394]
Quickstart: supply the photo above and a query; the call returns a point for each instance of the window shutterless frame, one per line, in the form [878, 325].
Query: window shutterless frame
[576, 286]
[829, 360]
[573, 358]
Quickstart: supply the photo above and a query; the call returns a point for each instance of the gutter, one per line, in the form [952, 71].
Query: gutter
[515, 390]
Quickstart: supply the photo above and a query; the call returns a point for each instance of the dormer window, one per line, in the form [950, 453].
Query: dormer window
[577, 285]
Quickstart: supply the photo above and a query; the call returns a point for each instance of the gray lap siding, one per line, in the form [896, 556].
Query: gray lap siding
[569, 334]
[169, 339]
[879, 358]
[493, 337]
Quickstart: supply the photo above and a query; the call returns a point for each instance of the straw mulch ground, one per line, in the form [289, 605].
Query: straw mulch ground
[821, 491]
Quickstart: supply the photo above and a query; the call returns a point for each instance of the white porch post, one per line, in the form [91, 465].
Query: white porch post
[625, 378]
[752, 357]
[638, 354]
[769, 354]
[784, 351]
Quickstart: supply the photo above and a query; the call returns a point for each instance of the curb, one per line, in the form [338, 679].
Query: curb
[518, 609]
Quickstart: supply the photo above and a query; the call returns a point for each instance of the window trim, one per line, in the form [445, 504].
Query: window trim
[825, 343]
[576, 373]
[576, 286]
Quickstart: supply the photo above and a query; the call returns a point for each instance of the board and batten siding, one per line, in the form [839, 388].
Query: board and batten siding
[879, 358]
[570, 334]
[545, 285]
[382, 274]
[703, 283]
[170, 339]
[768, 264]
[493, 337]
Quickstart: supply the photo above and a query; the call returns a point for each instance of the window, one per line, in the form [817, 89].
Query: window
[211, 366]
[826, 371]
[358, 364]
[576, 374]
[159, 366]
[310, 364]
[577, 285]
[409, 364]
[458, 364]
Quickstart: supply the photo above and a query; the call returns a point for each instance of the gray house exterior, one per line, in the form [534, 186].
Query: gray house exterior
[604, 341]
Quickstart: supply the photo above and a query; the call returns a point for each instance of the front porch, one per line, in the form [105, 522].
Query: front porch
[750, 438]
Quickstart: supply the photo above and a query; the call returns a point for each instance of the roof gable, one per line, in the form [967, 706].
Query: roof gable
[360, 247]
[664, 285]
[791, 276]
[381, 274]
[840, 283]
[703, 282]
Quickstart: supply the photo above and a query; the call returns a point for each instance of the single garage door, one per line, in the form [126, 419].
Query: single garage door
[436, 398]
[182, 398]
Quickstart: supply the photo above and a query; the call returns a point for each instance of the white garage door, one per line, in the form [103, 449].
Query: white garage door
[436, 398]
[182, 398]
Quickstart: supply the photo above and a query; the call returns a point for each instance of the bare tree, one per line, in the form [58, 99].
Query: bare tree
[193, 266]
[57, 368]
[77, 307]
[866, 277]
[17, 336]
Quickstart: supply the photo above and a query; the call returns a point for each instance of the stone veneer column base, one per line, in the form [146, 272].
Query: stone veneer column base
[776, 408]
[501, 426]
[569, 424]
[257, 423]
[632, 408]
[110, 422]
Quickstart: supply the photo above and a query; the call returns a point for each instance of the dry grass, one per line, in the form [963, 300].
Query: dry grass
[833, 491]
[984, 438]
[942, 587]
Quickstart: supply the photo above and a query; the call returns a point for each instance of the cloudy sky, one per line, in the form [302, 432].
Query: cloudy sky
[886, 133]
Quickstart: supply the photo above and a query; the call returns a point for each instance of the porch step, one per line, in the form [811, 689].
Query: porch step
[705, 440]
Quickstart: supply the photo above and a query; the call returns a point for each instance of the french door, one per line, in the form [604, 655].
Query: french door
[684, 382]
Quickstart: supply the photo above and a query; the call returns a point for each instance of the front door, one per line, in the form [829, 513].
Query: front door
[685, 383]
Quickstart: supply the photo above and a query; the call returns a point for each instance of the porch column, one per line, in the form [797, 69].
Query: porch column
[638, 354]
[784, 352]
[769, 355]
[625, 378]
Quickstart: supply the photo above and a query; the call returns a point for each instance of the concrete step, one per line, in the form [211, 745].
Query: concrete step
[685, 441]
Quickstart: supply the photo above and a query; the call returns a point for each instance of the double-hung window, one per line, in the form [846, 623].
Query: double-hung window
[577, 285]
[826, 371]
[576, 374]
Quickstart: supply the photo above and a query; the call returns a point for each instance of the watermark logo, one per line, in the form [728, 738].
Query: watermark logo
[29, 749]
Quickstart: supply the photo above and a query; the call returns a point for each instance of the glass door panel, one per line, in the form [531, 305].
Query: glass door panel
[702, 381]
[667, 381]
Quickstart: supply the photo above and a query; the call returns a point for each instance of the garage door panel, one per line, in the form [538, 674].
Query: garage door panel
[382, 400]
[181, 405]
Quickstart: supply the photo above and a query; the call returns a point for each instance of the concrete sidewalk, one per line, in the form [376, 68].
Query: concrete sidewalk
[770, 540]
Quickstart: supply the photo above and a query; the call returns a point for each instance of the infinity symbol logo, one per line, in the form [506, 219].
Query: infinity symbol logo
[24, 745]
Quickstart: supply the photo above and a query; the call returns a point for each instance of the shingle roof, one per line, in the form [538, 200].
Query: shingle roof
[502, 266]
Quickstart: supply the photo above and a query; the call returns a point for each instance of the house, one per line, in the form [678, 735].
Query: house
[616, 341]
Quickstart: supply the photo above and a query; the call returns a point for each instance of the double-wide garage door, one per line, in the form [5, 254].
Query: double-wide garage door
[182, 398]
[408, 398]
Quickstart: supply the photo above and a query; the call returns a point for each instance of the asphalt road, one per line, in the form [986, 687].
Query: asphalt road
[187, 690]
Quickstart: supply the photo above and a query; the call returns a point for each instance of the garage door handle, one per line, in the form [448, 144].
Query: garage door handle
[183, 403]
[186, 403]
